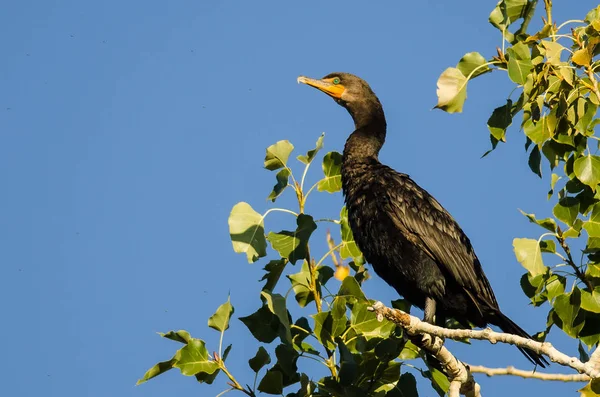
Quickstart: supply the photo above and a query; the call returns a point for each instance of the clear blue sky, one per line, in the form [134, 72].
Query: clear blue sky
[129, 129]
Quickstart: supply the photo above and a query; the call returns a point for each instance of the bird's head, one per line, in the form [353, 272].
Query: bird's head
[349, 91]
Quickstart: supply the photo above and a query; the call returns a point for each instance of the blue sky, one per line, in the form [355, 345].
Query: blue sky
[129, 129]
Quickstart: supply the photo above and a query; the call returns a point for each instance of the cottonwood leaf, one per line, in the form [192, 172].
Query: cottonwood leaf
[278, 154]
[220, 319]
[472, 62]
[193, 359]
[310, 155]
[247, 231]
[587, 170]
[529, 254]
[451, 90]
[332, 168]
[293, 245]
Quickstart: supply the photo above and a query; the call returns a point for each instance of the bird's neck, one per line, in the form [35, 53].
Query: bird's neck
[369, 134]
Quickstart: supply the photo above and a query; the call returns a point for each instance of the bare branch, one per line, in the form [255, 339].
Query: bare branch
[461, 380]
[415, 326]
[528, 374]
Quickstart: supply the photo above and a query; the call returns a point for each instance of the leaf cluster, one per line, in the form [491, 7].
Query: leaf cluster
[554, 73]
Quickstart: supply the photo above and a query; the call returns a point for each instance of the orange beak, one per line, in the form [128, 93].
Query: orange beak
[326, 85]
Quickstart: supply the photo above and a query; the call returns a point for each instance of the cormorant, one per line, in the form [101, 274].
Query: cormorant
[411, 241]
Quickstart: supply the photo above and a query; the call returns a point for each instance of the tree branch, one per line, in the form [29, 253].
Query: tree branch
[528, 374]
[461, 380]
[414, 326]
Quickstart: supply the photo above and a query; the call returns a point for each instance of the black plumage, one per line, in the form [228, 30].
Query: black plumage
[411, 241]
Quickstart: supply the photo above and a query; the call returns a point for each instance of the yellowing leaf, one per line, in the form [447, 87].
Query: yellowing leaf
[582, 57]
[451, 90]
[529, 254]
[592, 389]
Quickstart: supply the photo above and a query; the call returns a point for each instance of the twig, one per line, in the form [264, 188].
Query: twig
[528, 374]
[415, 326]
[570, 261]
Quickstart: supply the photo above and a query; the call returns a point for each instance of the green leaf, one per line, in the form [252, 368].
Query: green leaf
[451, 90]
[271, 383]
[273, 270]
[548, 246]
[294, 245]
[261, 359]
[535, 161]
[500, 120]
[193, 359]
[538, 132]
[566, 308]
[409, 352]
[276, 304]
[349, 249]
[156, 370]
[555, 286]
[220, 320]
[518, 69]
[366, 324]
[310, 156]
[529, 254]
[507, 12]
[181, 336]
[567, 210]
[470, 62]
[331, 324]
[332, 168]
[300, 331]
[408, 385]
[301, 285]
[585, 113]
[287, 359]
[348, 366]
[263, 325]
[277, 155]
[247, 231]
[590, 333]
[553, 50]
[583, 356]
[546, 223]
[350, 287]
[587, 170]
[388, 379]
[590, 301]
[439, 381]
[282, 177]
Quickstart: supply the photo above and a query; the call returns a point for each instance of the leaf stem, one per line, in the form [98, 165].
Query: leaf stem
[561, 240]
[232, 381]
[279, 210]
[221, 342]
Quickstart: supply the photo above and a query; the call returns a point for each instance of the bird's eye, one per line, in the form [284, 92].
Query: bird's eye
[336, 81]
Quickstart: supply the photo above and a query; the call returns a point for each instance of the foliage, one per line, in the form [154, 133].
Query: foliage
[554, 75]
[360, 355]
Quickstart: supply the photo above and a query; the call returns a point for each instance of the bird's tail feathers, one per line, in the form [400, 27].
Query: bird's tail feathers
[510, 327]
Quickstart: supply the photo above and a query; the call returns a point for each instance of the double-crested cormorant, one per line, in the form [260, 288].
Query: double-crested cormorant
[411, 241]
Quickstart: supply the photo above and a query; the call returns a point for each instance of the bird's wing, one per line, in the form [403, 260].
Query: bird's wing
[432, 228]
